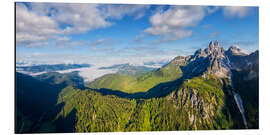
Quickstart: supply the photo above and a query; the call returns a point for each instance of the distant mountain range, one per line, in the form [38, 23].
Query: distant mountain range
[50, 68]
[212, 89]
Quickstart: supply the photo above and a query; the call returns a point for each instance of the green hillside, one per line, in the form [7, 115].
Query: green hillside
[187, 108]
[142, 83]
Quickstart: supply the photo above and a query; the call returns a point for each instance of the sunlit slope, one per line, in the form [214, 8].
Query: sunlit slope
[142, 83]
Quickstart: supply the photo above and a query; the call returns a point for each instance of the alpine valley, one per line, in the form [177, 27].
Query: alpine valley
[212, 89]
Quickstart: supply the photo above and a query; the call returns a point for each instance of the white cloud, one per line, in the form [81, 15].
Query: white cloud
[33, 29]
[44, 21]
[26, 38]
[173, 23]
[236, 11]
[27, 21]
[80, 17]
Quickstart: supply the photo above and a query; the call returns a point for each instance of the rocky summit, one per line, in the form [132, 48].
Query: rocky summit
[211, 60]
[215, 60]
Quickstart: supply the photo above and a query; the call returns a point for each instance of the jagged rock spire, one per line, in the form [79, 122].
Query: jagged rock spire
[213, 50]
[213, 44]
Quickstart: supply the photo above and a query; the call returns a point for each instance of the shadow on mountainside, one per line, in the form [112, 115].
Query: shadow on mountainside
[36, 104]
[159, 90]
[230, 108]
[249, 94]
[66, 124]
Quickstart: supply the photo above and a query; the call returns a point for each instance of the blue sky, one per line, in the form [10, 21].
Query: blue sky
[95, 33]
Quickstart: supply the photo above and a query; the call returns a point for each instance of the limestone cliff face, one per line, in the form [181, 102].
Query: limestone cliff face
[204, 106]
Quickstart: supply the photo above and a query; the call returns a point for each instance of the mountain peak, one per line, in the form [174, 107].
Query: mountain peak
[214, 50]
[211, 60]
[213, 44]
[236, 50]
